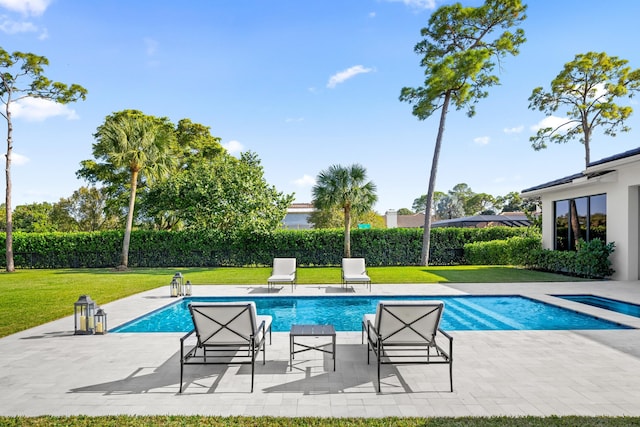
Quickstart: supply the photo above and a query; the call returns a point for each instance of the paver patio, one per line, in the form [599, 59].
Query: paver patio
[49, 371]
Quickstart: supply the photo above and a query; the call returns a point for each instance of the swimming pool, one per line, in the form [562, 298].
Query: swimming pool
[461, 313]
[606, 303]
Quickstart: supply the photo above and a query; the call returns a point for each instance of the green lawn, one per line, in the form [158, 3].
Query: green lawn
[181, 421]
[33, 297]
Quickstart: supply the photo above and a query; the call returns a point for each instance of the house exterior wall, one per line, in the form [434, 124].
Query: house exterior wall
[622, 187]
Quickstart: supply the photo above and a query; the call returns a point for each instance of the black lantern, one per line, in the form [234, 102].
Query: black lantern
[100, 319]
[187, 288]
[83, 313]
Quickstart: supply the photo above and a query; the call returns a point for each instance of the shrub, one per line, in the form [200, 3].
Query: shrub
[212, 248]
[515, 250]
[591, 260]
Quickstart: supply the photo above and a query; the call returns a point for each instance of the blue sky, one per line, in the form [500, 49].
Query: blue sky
[304, 84]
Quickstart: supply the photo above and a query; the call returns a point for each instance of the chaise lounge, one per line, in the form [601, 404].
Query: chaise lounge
[404, 332]
[226, 333]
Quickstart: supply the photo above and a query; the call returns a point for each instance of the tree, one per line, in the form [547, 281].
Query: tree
[420, 204]
[449, 207]
[223, 193]
[512, 202]
[405, 211]
[588, 88]
[85, 210]
[480, 204]
[22, 77]
[462, 193]
[130, 144]
[458, 56]
[34, 218]
[346, 188]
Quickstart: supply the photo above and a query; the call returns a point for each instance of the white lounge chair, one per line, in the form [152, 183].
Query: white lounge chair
[404, 332]
[354, 270]
[227, 333]
[284, 271]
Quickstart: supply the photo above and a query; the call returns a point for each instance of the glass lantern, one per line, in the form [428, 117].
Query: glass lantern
[100, 319]
[178, 277]
[187, 288]
[174, 288]
[83, 314]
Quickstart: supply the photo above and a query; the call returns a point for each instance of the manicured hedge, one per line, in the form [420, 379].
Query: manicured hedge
[591, 260]
[398, 246]
[512, 251]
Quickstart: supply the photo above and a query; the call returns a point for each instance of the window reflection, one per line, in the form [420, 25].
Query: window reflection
[580, 218]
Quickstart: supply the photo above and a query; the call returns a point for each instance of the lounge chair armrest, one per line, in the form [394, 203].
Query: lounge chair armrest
[449, 337]
[182, 340]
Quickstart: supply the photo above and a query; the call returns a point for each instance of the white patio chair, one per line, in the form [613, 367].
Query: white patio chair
[284, 271]
[354, 270]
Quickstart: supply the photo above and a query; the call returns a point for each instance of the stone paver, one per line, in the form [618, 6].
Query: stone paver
[48, 371]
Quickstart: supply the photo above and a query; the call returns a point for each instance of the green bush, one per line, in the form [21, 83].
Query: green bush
[591, 260]
[512, 251]
[210, 248]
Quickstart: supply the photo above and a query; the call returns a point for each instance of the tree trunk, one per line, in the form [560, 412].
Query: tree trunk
[124, 263]
[347, 232]
[587, 149]
[426, 236]
[9, 216]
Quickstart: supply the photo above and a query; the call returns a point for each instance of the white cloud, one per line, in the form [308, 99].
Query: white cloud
[39, 109]
[13, 27]
[305, 181]
[516, 129]
[151, 45]
[550, 122]
[26, 7]
[233, 147]
[294, 120]
[372, 14]
[19, 159]
[417, 4]
[482, 140]
[345, 75]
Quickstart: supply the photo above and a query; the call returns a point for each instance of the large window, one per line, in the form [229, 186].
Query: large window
[580, 218]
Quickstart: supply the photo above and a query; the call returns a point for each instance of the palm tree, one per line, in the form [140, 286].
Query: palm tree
[138, 145]
[345, 188]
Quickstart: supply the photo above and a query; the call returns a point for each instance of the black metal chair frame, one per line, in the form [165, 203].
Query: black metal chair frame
[229, 352]
[399, 353]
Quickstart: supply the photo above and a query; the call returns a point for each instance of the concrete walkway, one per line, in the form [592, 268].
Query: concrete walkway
[48, 371]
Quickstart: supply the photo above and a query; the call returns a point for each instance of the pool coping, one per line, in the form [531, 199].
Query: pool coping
[556, 301]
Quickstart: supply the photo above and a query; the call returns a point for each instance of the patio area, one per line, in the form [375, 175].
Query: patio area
[49, 371]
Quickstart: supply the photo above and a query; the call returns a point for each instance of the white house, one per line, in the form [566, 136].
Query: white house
[602, 201]
[298, 215]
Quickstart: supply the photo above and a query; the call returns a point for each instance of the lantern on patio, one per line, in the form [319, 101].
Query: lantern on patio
[83, 313]
[100, 320]
[174, 288]
[187, 288]
[180, 279]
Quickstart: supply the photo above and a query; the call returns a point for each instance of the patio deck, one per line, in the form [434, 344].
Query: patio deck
[48, 371]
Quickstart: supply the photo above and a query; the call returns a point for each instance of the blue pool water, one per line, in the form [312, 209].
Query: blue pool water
[606, 303]
[461, 313]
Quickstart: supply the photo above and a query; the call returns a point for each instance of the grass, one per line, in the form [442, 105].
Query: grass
[33, 297]
[170, 421]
